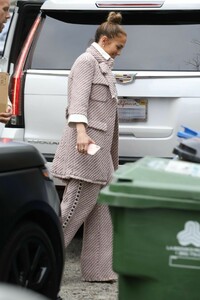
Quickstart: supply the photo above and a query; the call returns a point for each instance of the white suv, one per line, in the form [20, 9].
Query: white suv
[158, 77]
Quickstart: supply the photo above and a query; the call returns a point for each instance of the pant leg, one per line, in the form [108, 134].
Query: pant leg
[79, 199]
[79, 206]
[96, 256]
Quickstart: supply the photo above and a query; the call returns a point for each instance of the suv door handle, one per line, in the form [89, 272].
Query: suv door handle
[146, 132]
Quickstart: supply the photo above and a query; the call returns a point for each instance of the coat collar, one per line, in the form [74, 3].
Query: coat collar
[97, 55]
[105, 67]
[101, 50]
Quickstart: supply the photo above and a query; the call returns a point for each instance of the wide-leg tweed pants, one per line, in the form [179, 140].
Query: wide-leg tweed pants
[78, 206]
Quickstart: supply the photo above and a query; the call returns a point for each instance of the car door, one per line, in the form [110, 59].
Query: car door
[23, 15]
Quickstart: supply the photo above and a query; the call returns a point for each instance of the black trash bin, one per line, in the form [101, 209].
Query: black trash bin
[188, 150]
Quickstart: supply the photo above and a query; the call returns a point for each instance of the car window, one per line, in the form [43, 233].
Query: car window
[60, 43]
[171, 43]
[161, 47]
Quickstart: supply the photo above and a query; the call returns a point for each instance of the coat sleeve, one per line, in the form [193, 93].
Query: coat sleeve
[80, 82]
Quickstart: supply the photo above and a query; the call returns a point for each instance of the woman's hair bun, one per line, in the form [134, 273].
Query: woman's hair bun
[114, 17]
[111, 28]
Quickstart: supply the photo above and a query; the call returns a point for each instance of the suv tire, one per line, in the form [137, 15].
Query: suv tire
[28, 260]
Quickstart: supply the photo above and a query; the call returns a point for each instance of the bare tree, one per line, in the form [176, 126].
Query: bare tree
[195, 61]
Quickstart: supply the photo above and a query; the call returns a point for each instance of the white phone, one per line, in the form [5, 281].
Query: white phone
[92, 149]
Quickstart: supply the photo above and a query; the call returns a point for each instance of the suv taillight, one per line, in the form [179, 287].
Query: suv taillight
[16, 79]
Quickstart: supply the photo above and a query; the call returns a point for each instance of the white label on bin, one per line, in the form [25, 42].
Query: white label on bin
[190, 235]
[182, 167]
[187, 255]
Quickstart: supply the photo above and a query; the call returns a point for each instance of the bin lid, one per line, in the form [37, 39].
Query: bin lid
[154, 182]
[189, 150]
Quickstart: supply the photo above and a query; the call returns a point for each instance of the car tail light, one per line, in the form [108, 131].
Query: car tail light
[16, 79]
[46, 172]
[129, 4]
[5, 140]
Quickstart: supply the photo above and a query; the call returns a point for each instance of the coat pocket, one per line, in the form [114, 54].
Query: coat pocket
[99, 92]
[97, 125]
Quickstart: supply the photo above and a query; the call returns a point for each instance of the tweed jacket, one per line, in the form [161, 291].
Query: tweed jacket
[92, 93]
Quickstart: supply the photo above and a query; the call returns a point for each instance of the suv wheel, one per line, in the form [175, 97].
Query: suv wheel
[28, 260]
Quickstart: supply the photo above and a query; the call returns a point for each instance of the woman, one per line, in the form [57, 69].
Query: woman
[91, 119]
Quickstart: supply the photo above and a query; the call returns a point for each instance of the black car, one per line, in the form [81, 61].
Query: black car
[31, 237]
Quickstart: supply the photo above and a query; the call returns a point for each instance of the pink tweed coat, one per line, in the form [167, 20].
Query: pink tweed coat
[91, 92]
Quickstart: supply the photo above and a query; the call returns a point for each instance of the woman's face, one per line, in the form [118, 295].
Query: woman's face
[114, 46]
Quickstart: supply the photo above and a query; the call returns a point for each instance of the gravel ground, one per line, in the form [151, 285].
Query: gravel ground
[73, 288]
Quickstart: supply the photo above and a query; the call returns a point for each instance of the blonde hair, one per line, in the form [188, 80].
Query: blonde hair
[111, 28]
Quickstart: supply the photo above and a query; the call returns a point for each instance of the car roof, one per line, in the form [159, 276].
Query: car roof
[120, 4]
[30, 1]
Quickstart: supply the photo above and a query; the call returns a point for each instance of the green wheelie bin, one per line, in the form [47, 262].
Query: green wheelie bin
[155, 211]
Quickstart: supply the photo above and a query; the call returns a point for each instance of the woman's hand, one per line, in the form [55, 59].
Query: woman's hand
[5, 116]
[83, 140]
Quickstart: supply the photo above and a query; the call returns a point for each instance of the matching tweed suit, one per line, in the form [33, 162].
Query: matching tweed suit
[92, 93]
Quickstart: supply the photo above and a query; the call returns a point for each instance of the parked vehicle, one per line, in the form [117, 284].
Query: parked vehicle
[31, 237]
[23, 14]
[158, 77]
